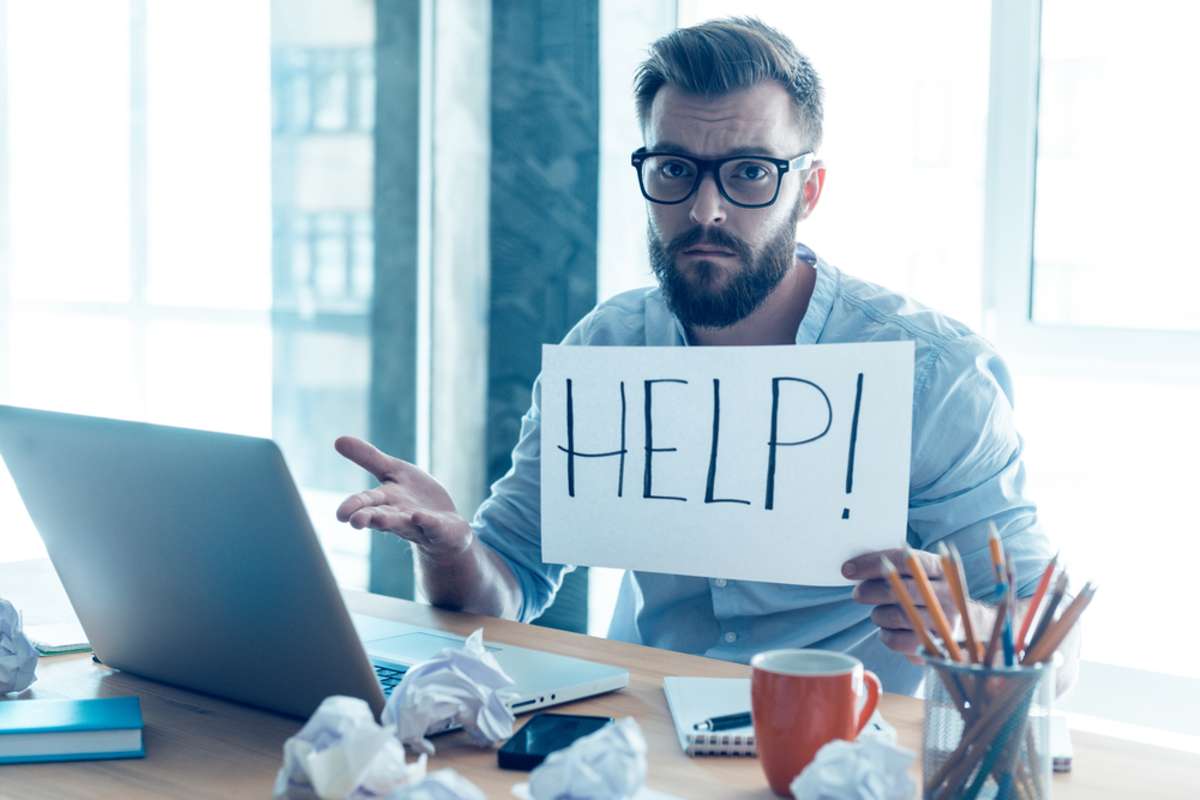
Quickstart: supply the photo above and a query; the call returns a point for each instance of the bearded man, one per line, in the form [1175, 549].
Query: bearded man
[731, 116]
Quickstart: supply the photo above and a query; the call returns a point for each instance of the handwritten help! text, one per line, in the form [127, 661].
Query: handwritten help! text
[757, 463]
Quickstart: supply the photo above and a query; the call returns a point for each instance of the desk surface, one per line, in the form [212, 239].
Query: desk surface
[198, 746]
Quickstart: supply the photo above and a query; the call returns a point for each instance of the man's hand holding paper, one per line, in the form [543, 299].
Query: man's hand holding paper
[895, 630]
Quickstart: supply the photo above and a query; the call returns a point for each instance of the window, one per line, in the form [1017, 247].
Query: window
[904, 139]
[1091, 302]
[190, 236]
[1026, 167]
[1112, 156]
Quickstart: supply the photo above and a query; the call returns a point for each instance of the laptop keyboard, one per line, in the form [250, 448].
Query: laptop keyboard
[389, 676]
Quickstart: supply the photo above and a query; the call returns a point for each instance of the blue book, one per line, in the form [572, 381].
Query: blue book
[70, 730]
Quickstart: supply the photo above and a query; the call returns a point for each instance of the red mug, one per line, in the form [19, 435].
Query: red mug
[803, 699]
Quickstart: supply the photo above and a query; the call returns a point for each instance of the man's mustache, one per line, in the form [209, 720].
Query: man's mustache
[710, 236]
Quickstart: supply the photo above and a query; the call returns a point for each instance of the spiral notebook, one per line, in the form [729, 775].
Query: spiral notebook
[693, 700]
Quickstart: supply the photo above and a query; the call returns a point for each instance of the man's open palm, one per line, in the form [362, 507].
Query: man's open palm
[408, 502]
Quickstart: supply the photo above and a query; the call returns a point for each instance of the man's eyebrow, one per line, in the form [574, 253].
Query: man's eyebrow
[671, 147]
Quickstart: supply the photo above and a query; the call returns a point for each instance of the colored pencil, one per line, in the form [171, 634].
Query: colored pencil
[997, 551]
[993, 644]
[952, 566]
[910, 608]
[931, 602]
[1056, 596]
[1056, 633]
[1038, 596]
[986, 748]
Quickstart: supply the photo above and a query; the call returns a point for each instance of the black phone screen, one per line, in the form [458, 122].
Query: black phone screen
[542, 735]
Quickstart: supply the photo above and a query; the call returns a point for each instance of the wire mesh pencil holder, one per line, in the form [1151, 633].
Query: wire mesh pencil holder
[986, 732]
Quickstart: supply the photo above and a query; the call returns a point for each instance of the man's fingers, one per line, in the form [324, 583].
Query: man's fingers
[891, 616]
[900, 641]
[367, 456]
[870, 565]
[386, 518]
[879, 592]
[371, 497]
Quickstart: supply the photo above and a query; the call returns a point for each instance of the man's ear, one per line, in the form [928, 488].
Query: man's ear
[814, 182]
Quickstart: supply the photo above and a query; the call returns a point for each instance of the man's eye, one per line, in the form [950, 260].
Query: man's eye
[675, 169]
[750, 171]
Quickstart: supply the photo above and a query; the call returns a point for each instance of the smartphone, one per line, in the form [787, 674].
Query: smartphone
[542, 735]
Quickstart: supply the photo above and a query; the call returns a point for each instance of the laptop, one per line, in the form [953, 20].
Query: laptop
[190, 559]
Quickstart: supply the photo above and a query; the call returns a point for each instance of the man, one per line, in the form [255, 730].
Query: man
[731, 119]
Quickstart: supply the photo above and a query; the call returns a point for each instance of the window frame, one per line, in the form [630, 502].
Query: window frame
[1010, 189]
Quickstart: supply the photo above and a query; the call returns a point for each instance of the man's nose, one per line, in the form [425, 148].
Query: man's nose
[708, 206]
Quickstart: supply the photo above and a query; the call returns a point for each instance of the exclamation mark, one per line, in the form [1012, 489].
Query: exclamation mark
[853, 442]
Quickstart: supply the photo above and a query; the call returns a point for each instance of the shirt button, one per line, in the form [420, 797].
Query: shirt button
[731, 637]
[720, 583]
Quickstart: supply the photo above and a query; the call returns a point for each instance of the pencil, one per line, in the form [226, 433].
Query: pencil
[910, 608]
[1060, 589]
[931, 602]
[1038, 596]
[997, 551]
[973, 747]
[958, 587]
[997, 629]
[1055, 635]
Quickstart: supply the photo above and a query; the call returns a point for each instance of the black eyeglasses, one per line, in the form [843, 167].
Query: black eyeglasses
[749, 181]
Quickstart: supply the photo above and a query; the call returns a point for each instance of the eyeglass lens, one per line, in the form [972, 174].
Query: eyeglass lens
[669, 179]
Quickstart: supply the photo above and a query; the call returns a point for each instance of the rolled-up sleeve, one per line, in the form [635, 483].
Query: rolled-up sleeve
[509, 521]
[967, 467]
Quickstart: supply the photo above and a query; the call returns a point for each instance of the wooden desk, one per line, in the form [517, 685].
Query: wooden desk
[201, 747]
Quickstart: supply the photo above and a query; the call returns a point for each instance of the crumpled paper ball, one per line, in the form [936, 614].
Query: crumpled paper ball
[342, 752]
[445, 784]
[870, 768]
[607, 764]
[464, 684]
[18, 658]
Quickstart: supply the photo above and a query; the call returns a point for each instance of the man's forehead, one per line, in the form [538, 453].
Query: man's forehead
[760, 119]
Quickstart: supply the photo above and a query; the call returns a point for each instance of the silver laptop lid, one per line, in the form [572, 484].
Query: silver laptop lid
[189, 558]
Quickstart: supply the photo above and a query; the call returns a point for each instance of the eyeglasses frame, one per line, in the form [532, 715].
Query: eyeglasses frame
[800, 163]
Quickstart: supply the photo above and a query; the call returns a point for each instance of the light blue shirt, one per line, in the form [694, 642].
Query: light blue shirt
[966, 470]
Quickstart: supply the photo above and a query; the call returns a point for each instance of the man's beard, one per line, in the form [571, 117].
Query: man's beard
[691, 299]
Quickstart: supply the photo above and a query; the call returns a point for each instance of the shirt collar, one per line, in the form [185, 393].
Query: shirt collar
[821, 301]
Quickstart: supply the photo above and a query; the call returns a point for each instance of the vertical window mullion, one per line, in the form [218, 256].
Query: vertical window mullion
[138, 206]
[5, 253]
[1011, 166]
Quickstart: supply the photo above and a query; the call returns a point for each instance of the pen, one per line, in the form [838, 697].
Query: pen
[724, 723]
[1010, 654]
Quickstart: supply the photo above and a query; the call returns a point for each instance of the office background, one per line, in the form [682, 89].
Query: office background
[303, 219]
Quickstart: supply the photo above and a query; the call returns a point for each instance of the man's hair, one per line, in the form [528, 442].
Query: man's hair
[724, 55]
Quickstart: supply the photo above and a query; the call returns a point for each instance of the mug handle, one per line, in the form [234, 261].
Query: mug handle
[874, 687]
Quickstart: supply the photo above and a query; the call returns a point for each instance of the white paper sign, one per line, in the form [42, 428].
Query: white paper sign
[755, 463]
